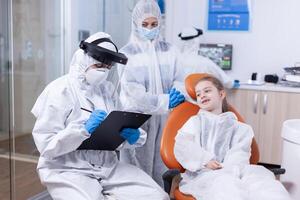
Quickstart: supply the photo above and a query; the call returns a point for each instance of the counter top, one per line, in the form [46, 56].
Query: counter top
[270, 87]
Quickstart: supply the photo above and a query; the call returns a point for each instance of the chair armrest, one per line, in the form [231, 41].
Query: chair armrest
[276, 169]
[168, 177]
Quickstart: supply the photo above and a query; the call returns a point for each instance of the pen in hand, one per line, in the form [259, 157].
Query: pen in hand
[86, 110]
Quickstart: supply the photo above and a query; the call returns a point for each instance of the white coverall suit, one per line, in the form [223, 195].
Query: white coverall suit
[148, 77]
[60, 129]
[206, 137]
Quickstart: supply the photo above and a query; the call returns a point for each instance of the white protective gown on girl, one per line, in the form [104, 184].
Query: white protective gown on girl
[206, 137]
[147, 78]
[60, 129]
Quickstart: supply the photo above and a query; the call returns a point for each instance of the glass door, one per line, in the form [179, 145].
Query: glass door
[37, 55]
[5, 142]
[37, 41]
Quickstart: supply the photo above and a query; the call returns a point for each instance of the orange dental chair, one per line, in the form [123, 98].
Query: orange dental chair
[175, 121]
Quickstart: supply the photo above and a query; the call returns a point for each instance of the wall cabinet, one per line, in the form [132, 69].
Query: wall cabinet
[265, 111]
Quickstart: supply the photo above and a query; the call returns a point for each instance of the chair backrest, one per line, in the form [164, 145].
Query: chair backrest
[179, 116]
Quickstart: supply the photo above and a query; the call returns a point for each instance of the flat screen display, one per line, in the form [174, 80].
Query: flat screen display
[221, 54]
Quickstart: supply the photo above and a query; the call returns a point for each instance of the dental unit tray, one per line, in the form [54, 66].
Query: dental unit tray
[107, 134]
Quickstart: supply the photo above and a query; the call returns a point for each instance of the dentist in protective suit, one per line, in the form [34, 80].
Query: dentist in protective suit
[61, 126]
[148, 84]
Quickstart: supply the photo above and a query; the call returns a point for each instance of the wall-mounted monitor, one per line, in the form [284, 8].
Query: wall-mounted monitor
[221, 54]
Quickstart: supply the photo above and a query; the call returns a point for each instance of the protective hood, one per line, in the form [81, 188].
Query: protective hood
[81, 61]
[142, 10]
[190, 40]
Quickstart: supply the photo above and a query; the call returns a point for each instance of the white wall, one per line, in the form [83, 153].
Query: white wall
[118, 20]
[272, 43]
[111, 16]
[80, 15]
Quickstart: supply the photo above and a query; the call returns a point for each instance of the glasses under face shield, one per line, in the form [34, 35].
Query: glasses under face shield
[104, 65]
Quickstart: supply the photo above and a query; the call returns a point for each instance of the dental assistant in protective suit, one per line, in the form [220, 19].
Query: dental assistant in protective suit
[147, 84]
[192, 62]
[62, 125]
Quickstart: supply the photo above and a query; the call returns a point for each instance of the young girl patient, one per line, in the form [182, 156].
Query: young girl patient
[214, 148]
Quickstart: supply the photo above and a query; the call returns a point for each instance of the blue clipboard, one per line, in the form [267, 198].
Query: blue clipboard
[107, 134]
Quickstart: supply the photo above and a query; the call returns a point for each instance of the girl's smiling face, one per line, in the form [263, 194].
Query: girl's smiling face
[209, 97]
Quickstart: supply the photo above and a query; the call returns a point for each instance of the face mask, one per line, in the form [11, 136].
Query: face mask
[96, 76]
[149, 34]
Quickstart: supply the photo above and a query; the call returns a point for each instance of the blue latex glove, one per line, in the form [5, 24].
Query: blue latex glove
[176, 98]
[236, 84]
[130, 134]
[95, 119]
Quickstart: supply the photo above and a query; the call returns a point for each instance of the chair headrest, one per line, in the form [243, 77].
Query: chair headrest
[191, 82]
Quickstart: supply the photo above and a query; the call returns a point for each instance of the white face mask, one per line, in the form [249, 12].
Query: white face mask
[96, 76]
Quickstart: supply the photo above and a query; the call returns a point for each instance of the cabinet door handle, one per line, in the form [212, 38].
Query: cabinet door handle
[255, 100]
[265, 103]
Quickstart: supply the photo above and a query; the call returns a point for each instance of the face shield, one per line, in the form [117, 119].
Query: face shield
[190, 33]
[189, 39]
[104, 56]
